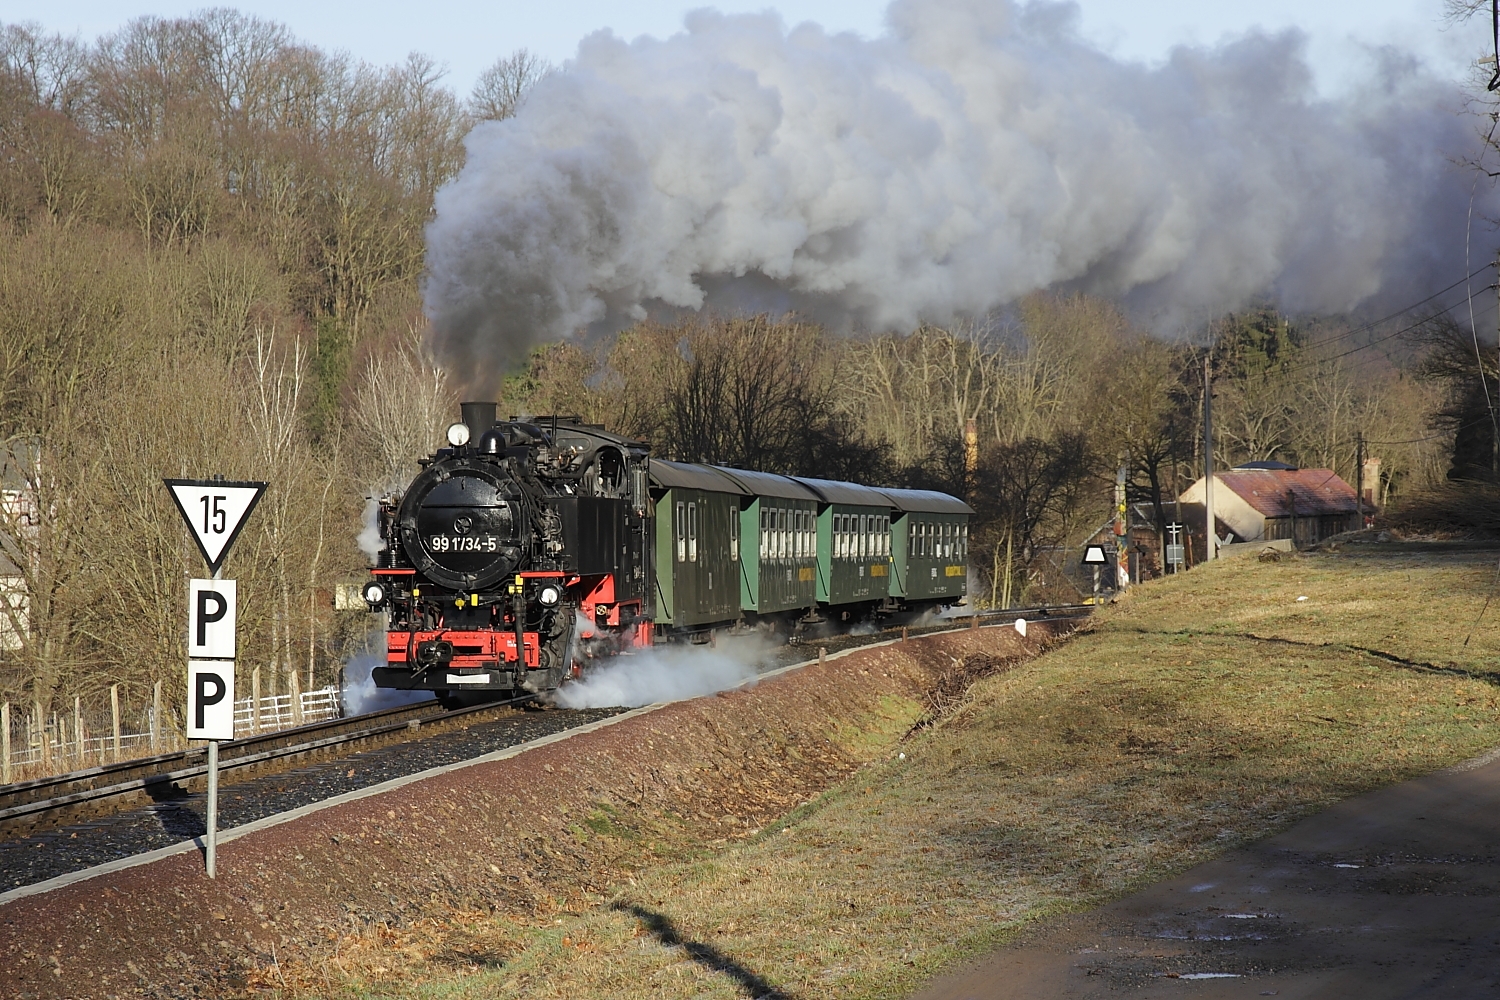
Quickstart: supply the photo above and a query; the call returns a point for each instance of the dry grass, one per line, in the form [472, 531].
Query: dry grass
[1204, 712]
[1454, 509]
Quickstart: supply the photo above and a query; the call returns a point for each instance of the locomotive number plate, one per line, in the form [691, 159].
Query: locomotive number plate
[463, 543]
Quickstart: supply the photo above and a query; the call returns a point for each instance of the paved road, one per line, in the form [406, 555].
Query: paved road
[1393, 894]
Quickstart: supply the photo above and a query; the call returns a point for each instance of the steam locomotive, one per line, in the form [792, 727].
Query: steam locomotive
[527, 549]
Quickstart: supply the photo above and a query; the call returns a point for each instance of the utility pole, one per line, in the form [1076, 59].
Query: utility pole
[1211, 548]
[1122, 529]
[1359, 479]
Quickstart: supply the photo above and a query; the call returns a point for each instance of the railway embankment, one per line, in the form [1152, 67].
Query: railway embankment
[1201, 714]
[463, 860]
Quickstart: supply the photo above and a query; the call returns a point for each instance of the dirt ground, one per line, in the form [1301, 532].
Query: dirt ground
[859, 829]
[446, 871]
[1392, 894]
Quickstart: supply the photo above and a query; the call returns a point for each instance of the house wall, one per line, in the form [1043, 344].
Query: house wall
[1231, 510]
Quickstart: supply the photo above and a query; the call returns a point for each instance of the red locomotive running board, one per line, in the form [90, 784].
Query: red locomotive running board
[470, 649]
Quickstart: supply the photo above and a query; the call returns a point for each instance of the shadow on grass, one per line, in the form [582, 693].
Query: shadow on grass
[705, 955]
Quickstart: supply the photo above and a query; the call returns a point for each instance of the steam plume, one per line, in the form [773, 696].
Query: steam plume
[667, 674]
[978, 151]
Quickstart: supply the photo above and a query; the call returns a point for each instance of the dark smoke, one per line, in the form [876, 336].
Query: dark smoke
[977, 152]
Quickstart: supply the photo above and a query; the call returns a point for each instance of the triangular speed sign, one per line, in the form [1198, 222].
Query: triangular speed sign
[215, 510]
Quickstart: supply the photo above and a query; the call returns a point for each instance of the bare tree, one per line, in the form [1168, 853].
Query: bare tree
[501, 88]
[401, 405]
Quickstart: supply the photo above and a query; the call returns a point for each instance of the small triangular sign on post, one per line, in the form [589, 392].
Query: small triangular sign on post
[1093, 555]
[215, 510]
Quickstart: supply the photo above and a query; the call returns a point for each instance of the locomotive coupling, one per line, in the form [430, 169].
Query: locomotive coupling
[434, 653]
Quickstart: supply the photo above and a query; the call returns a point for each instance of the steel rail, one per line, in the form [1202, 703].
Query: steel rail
[253, 754]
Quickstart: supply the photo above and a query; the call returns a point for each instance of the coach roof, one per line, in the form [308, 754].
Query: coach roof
[927, 502]
[846, 493]
[768, 484]
[680, 475]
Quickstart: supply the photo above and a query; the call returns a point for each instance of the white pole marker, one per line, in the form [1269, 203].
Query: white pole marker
[210, 700]
[211, 619]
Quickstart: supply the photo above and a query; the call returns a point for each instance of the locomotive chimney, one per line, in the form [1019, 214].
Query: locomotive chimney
[479, 416]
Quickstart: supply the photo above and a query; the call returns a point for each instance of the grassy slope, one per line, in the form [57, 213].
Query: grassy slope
[1176, 727]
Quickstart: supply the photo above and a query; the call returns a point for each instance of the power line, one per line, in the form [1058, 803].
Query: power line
[1400, 312]
[1314, 362]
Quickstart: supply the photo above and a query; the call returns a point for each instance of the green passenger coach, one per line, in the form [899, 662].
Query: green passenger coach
[854, 556]
[697, 546]
[930, 546]
[778, 544]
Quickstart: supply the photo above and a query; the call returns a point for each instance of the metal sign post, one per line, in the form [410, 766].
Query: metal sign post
[1175, 555]
[215, 510]
[1094, 556]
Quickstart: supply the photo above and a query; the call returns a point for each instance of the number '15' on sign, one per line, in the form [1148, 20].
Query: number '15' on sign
[215, 510]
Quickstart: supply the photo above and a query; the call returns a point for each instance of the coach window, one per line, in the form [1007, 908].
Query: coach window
[692, 533]
[681, 527]
[885, 535]
[763, 536]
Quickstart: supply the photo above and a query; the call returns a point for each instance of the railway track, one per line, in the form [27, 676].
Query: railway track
[33, 807]
[30, 807]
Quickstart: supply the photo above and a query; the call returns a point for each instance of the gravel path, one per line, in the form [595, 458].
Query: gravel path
[29, 860]
[1392, 894]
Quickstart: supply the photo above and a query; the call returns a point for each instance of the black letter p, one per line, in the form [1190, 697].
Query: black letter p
[203, 700]
[206, 617]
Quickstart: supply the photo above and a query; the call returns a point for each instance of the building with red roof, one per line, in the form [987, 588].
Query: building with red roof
[1266, 504]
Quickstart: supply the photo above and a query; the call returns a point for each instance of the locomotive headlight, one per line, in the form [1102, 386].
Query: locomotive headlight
[374, 593]
[458, 434]
[549, 595]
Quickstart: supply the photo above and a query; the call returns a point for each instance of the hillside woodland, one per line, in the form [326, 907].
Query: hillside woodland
[211, 254]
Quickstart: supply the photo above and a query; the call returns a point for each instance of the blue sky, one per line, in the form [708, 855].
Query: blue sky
[467, 35]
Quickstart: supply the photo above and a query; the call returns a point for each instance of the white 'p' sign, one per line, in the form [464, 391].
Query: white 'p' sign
[211, 619]
[210, 700]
